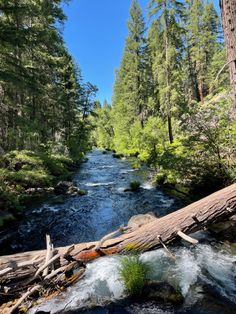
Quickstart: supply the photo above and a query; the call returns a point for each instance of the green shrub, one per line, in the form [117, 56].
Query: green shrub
[15, 160]
[57, 165]
[134, 185]
[136, 164]
[133, 273]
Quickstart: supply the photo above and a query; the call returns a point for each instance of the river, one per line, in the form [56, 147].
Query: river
[205, 274]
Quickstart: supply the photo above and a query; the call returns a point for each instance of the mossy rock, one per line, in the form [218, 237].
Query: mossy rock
[161, 291]
[82, 192]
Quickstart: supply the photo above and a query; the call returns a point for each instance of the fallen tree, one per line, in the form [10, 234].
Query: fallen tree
[46, 269]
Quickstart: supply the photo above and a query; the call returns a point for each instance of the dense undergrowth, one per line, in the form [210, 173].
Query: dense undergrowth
[23, 170]
[202, 157]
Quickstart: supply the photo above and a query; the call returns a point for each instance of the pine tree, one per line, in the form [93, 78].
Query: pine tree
[202, 29]
[129, 92]
[167, 64]
[42, 87]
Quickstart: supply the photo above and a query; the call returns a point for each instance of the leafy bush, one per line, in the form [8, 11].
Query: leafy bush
[133, 272]
[134, 185]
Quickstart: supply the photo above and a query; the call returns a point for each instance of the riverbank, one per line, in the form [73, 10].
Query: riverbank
[27, 177]
[186, 193]
[205, 273]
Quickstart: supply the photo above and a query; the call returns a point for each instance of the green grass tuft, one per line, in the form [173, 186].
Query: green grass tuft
[133, 273]
[134, 185]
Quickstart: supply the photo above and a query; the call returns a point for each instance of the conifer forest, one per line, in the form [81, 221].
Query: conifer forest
[156, 162]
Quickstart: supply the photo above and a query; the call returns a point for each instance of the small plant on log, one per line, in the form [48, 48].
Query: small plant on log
[133, 272]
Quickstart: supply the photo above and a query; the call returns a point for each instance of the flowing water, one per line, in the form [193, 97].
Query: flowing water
[205, 274]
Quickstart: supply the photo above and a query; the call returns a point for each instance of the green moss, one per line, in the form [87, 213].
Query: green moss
[129, 247]
[83, 192]
[16, 159]
[133, 272]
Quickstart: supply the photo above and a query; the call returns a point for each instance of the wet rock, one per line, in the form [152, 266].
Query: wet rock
[40, 190]
[30, 190]
[72, 189]
[50, 190]
[137, 221]
[134, 154]
[67, 188]
[225, 230]
[118, 156]
[161, 291]
[62, 187]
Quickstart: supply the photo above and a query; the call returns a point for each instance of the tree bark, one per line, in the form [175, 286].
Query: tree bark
[228, 11]
[213, 208]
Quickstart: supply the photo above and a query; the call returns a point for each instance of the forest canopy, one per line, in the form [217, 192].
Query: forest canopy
[172, 102]
[44, 102]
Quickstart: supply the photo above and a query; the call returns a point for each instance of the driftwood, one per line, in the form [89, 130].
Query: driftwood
[20, 272]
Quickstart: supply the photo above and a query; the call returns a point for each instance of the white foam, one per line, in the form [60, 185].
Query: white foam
[187, 270]
[102, 284]
[147, 186]
[99, 183]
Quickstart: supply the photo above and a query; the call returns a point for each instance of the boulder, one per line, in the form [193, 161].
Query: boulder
[62, 187]
[161, 291]
[139, 220]
[67, 188]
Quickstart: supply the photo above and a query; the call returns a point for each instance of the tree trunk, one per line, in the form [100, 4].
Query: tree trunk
[200, 89]
[170, 132]
[228, 10]
[213, 208]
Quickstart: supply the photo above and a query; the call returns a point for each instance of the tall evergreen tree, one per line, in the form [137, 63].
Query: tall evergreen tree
[202, 29]
[42, 88]
[167, 29]
[129, 91]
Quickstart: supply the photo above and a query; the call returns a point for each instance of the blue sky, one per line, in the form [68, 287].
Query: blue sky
[95, 33]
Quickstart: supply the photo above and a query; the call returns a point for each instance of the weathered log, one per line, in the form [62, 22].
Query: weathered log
[216, 207]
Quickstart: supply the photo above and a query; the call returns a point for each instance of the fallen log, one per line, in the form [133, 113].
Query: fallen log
[156, 233]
